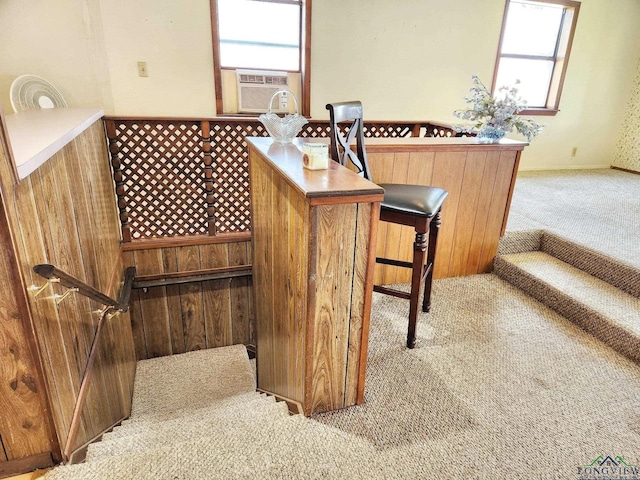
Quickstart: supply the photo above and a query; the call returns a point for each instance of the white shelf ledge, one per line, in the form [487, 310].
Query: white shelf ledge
[37, 135]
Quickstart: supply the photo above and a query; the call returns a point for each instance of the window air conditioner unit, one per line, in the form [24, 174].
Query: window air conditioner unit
[256, 87]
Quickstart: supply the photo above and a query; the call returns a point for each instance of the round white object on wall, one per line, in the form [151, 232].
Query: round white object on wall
[31, 92]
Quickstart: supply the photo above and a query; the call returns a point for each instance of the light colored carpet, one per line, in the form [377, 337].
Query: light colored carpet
[159, 387]
[596, 208]
[595, 294]
[499, 387]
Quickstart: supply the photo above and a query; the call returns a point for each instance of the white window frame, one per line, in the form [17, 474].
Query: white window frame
[560, 56]
[304, 52]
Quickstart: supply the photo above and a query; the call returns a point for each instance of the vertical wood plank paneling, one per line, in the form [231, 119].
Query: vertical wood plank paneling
[497, 210]
[357, 307]
[261, 201]
[174, 307]
[482, 214]
[153, 306]
[59, 233]
[467, 211]
[309, 283]
[191, 301]
[135, 313]
[64, 213]
[239, 289]
[56, 362]
[137, 326]
[182, 317]
[103, 402]
[334, 270]
[448, 172]
[297, 258]
[417, 171]
[281, 288]
[217, 297]
[467, 240]
[23, 421]
[381, 166]
[397, 236]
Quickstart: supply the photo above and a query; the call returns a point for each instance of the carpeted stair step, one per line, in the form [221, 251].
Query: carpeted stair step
[224, 406]
[232, 407]
[287, 447]
[191, 380]
[606, 268]
[598, 307]
[203, 425]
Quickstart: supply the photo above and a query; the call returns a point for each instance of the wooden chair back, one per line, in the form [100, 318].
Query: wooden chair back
[341, 146]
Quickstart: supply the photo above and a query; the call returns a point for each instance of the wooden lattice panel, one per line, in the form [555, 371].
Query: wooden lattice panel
[315, 130]
[438, 131]
[191, 177]
[162, 171]
[387, 130]
[231, 173]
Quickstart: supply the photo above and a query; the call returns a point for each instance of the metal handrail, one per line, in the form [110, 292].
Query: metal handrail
[51, 272]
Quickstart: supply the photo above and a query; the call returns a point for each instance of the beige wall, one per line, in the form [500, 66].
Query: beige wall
[627, 154]
[404, 60]
[59, 40]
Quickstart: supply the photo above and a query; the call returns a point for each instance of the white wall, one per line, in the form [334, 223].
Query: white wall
[174, 38]
[414, 60]
[59, 40]
[404, 60]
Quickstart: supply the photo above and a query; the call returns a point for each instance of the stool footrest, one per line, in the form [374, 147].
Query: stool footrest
[395, 263]
[391, 291]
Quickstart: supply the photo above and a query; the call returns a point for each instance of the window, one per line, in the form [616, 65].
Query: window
[534, 48]
[262, 35]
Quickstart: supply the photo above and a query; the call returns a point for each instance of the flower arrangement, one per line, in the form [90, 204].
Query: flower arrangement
[495, 116]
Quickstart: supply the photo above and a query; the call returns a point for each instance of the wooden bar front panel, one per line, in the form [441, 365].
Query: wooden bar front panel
[479, 179]
[312, 273]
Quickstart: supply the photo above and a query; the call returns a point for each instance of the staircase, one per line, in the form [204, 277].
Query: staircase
[198, 415]
[596, 292]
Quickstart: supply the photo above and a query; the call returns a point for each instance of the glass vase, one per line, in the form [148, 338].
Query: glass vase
[489, 134]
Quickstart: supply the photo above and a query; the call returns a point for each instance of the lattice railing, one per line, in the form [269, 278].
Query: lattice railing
[180, 178]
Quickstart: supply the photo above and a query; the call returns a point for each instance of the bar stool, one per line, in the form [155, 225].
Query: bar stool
[417, 206]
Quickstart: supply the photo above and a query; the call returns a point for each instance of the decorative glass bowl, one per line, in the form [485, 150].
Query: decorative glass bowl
[283, 129]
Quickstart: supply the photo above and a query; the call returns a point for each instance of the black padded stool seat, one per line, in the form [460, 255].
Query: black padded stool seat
[413, 199]
[417, 206]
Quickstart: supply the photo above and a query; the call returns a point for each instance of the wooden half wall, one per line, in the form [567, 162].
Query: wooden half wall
[181, 317]
[65, 214]
[479, 179]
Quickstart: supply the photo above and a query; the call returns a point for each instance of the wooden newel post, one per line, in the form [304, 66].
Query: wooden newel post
[208, 178]
[114, 151]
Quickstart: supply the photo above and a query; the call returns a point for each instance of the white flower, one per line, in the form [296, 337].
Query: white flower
[499, 112]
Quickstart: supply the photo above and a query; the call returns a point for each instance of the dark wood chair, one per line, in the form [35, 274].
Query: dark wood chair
[417, 206]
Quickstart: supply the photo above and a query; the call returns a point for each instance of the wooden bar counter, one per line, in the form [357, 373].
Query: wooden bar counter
[313, 238]
[480, 180]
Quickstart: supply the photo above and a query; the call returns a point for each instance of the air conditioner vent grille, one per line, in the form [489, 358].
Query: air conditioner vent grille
[258, 79]
[270, 80]
[256, 87]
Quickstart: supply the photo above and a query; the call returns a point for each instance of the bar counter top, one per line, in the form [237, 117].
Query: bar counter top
[336, 181]
[416, 144]
[37, 135]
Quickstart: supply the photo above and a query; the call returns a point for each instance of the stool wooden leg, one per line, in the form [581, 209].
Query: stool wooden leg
[419, 249]
[431, 258]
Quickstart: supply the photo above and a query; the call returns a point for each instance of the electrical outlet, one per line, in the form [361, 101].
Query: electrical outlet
[142, 69]
[574, 150]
